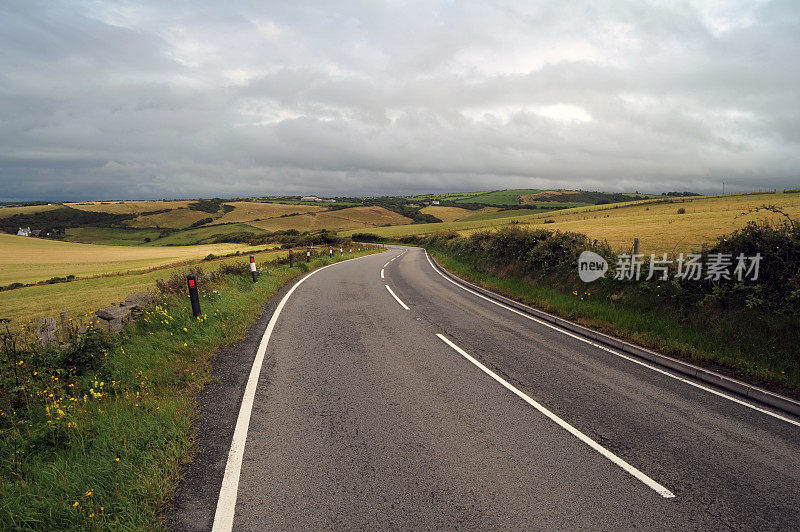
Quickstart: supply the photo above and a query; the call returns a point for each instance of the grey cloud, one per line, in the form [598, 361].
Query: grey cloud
[115, 99]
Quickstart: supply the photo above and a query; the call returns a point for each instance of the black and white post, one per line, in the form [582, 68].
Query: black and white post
[291, 258]
[308, 254]
[193, 297]
[253, 269]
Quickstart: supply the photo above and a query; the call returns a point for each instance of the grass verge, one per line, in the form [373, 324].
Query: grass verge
[92, 436]
[745, 345]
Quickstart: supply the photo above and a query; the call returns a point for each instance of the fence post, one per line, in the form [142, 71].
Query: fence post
[635, 246]
[47, 331]
[193, 297]
[65, 330]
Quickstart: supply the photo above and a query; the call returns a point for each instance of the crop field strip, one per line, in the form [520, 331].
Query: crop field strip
[81, 296]
[339, 220]
[27, 260]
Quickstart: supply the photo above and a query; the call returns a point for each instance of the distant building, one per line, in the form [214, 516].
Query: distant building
[435, 202]
[36, 232]
[314, 198]
[24, 231]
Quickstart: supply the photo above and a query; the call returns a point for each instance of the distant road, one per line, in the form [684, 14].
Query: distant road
[392, 398]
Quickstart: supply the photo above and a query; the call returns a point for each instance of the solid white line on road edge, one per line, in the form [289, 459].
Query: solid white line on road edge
[649, 482]
[397, 298]
[226, 504]
[617, 353]
[382, 277]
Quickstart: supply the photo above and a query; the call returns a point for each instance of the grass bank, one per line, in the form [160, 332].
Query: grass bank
[737, 344]
[92, 435]
[743, 326]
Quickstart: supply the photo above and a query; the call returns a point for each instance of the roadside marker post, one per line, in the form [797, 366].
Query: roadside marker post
[341, 251]
[330, 251]
[193, 297]
[308, 254]
[253, 269]
[351, 250]
[291, 258]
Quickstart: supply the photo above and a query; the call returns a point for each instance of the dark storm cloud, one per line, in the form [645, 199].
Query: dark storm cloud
[162, 99]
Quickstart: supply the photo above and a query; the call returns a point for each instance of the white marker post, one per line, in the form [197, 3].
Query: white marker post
[341, 251]
[253, 269]
[330, 251]
[308, 254]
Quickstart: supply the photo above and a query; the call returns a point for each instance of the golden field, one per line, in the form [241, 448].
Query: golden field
[341, 220]
[446, 214]
[81, 296]
[28, 260]
[655, 222]
[5, 212]
[248, 211]
[129, 207]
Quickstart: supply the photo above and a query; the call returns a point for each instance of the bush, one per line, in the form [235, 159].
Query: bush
[176, 283]
[681, 211]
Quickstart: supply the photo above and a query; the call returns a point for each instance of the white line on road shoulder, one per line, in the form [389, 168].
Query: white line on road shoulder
[649, 482]
[617, 353]
[226, 504]
[397, 298]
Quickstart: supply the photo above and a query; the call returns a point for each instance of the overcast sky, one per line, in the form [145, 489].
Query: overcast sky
[163, 99]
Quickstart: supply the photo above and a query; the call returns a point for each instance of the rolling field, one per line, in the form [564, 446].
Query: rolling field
[129, 207]
[659, 226]
[5, 212]
[248, 211]
[202, 235]
[656, 223]
[179, 218]
[448, 214]
[28, 260]
[110, 236]
[81, 296]
[341, 220]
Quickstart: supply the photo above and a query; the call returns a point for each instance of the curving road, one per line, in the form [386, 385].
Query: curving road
[390, 397]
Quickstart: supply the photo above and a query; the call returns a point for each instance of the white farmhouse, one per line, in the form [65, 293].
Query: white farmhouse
[24, 231]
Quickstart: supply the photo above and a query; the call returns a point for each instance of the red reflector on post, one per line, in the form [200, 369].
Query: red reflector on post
[191, 283]
[252, 258]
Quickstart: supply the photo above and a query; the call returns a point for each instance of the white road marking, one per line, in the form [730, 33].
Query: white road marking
[397, 298]
[617, 353]
[226, 504]
[385, 265]
[382, 277]
[649, 482]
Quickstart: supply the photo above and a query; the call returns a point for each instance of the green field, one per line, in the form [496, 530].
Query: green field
[498, 197]
[110, 236]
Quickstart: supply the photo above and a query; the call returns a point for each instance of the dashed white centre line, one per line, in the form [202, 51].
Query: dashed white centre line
[382, 277]
[649, 482]
[397, 298]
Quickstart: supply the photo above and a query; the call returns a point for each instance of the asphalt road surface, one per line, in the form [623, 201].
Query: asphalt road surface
[424, 406]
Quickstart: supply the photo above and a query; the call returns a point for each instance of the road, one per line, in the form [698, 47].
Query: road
[424, 406]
